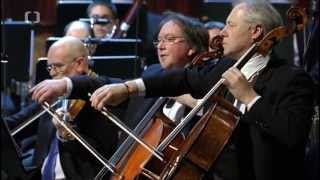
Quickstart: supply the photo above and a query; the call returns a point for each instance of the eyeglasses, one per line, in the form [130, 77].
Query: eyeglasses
[103, 16]
[102, 20]
[168, 40]
[59, 67]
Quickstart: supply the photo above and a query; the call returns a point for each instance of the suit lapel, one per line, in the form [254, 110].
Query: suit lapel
[266, 74]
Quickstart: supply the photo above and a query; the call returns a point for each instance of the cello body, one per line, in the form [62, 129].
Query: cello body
[136, 162]
[212, 131]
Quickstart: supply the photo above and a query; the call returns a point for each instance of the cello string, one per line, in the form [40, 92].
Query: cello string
[121, 125]
[138, 129]
[127, 130]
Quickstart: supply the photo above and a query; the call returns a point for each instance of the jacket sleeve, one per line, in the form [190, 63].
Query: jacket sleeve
[82, 85]
[197, 80]
[284, 113]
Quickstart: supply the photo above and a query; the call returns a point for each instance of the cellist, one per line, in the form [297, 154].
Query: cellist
[276, 99]
[69, 57]
[179, 40]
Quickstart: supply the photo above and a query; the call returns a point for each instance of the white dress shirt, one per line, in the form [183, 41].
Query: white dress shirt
[252, 68]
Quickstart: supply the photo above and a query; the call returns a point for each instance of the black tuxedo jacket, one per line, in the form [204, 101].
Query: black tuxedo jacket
[269, 142]
[137, 106]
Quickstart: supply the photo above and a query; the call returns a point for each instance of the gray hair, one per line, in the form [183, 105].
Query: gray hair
[261, 12]
[214, 25]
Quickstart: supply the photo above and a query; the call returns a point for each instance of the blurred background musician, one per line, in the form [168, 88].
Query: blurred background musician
[214, 28]
[81, 30]
[77, 29]
[99, 11]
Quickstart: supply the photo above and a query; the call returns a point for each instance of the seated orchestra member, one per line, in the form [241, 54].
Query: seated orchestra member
[214, 28]
[106, 11]
[34, 140]
[69, 57]
[77, 29]
[82, 31]
[269, 141]
[179, 40]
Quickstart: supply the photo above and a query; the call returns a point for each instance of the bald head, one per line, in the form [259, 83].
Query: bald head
[69, 56]
[77, 29]
[70, 46]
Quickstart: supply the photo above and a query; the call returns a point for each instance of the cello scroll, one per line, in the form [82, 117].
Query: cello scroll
[216, 53]
[299, 19]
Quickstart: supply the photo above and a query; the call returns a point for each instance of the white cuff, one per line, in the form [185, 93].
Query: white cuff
[141, 87]
[69, 86]
[252, 102]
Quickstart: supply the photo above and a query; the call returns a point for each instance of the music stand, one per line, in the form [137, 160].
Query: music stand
[11, 163]
[17, 47]
[124, 67]
[110, 47]
[41, 70]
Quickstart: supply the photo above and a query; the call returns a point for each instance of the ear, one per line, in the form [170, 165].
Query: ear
[257, 33]
[79, 60]
[80, 63]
